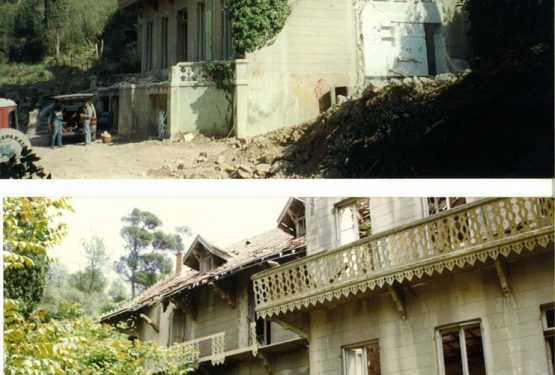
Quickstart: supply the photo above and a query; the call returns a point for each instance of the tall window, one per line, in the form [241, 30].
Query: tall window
[227, 52]
[201, 32]
[177, 327]
[461, 351]
[182, 35]
[353, 220]
[362, 360]
[164, 44]
[436, 205]
[149, 46]
[548, 317]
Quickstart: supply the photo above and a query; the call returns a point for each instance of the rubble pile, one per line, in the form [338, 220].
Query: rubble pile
[456, 125]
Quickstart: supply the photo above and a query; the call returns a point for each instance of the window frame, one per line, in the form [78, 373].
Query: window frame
[360, 345]
[424, 202]
[548, 332]
[462, 340]
[341, 205]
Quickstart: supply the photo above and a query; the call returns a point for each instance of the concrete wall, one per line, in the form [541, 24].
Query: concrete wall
[511, 327]
[138, 107]
[314, 52]
[393, 37]
[199, 109]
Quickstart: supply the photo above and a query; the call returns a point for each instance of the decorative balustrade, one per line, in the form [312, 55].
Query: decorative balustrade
[189, 73]
[212, 348]
[477, 231]
[209, 348]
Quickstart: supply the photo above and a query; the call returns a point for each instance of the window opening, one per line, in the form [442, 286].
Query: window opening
[362, 360]
[201, 32]
[149, 46]
[353, 219]
[182, 35]
[164, 57]
[548, 317]
[436, 205]
[461, 350]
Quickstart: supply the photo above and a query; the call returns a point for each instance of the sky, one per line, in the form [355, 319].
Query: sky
[222, 221]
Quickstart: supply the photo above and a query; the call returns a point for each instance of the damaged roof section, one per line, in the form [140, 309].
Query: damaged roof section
[272, 245]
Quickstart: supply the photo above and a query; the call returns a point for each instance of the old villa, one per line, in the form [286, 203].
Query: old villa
[192, 82]
[367, 286]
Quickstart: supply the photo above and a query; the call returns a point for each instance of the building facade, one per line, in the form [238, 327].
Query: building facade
[421, 286]
[368, 286]
[326, 48]
[208, 304]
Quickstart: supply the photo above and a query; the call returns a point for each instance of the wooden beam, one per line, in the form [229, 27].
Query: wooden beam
[398, 297]
[266, 362]
[150, 322]
[502, 276]
[186, 307]
[227, 295]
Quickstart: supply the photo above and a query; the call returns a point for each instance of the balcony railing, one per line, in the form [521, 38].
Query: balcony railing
[474, 232]
[212, 348]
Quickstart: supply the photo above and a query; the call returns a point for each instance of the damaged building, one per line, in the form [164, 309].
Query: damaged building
[209, 304]
[368, 286]
[327, 50]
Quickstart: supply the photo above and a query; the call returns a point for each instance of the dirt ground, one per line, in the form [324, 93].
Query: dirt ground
[201, 157]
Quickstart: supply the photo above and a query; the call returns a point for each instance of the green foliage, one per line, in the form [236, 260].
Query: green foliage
[77, 345]
[23, 167]
[222, 73]
[31, 29]
[254, 23]
[144, 264]
[26, 40]
[30, 228]
[511, 30]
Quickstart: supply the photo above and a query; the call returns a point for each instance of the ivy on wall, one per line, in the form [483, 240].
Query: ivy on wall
[254, 23]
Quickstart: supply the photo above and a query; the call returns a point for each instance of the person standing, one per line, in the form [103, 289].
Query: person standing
[86, 117]
[57, 123]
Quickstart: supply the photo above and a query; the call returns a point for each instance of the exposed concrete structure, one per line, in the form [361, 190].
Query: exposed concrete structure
[328, 48]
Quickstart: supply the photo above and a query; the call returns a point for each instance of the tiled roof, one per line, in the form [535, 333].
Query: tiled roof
[242, 253]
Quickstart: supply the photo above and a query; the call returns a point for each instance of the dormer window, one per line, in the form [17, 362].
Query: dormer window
[292, 219]
[203, 256]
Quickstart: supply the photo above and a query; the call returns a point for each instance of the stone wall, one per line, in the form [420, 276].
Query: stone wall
[511, 327]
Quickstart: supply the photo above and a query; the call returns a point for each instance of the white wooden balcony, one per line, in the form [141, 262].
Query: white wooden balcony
[212, 348]
[485, 230]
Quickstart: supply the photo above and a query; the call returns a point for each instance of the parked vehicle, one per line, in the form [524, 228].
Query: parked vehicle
[8, 114]
[73, 106]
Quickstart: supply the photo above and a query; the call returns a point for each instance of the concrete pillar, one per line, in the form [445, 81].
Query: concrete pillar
[240, 105]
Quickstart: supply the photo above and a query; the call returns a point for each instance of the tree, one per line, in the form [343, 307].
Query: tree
[57, 16]
[145, 262]
[30, 228]
[117, 291]
[92, 279]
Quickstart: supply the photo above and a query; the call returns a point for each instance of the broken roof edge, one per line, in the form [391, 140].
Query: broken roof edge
[286, 207]
[131, 308]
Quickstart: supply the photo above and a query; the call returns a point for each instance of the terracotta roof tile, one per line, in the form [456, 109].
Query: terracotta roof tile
[242, 253]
